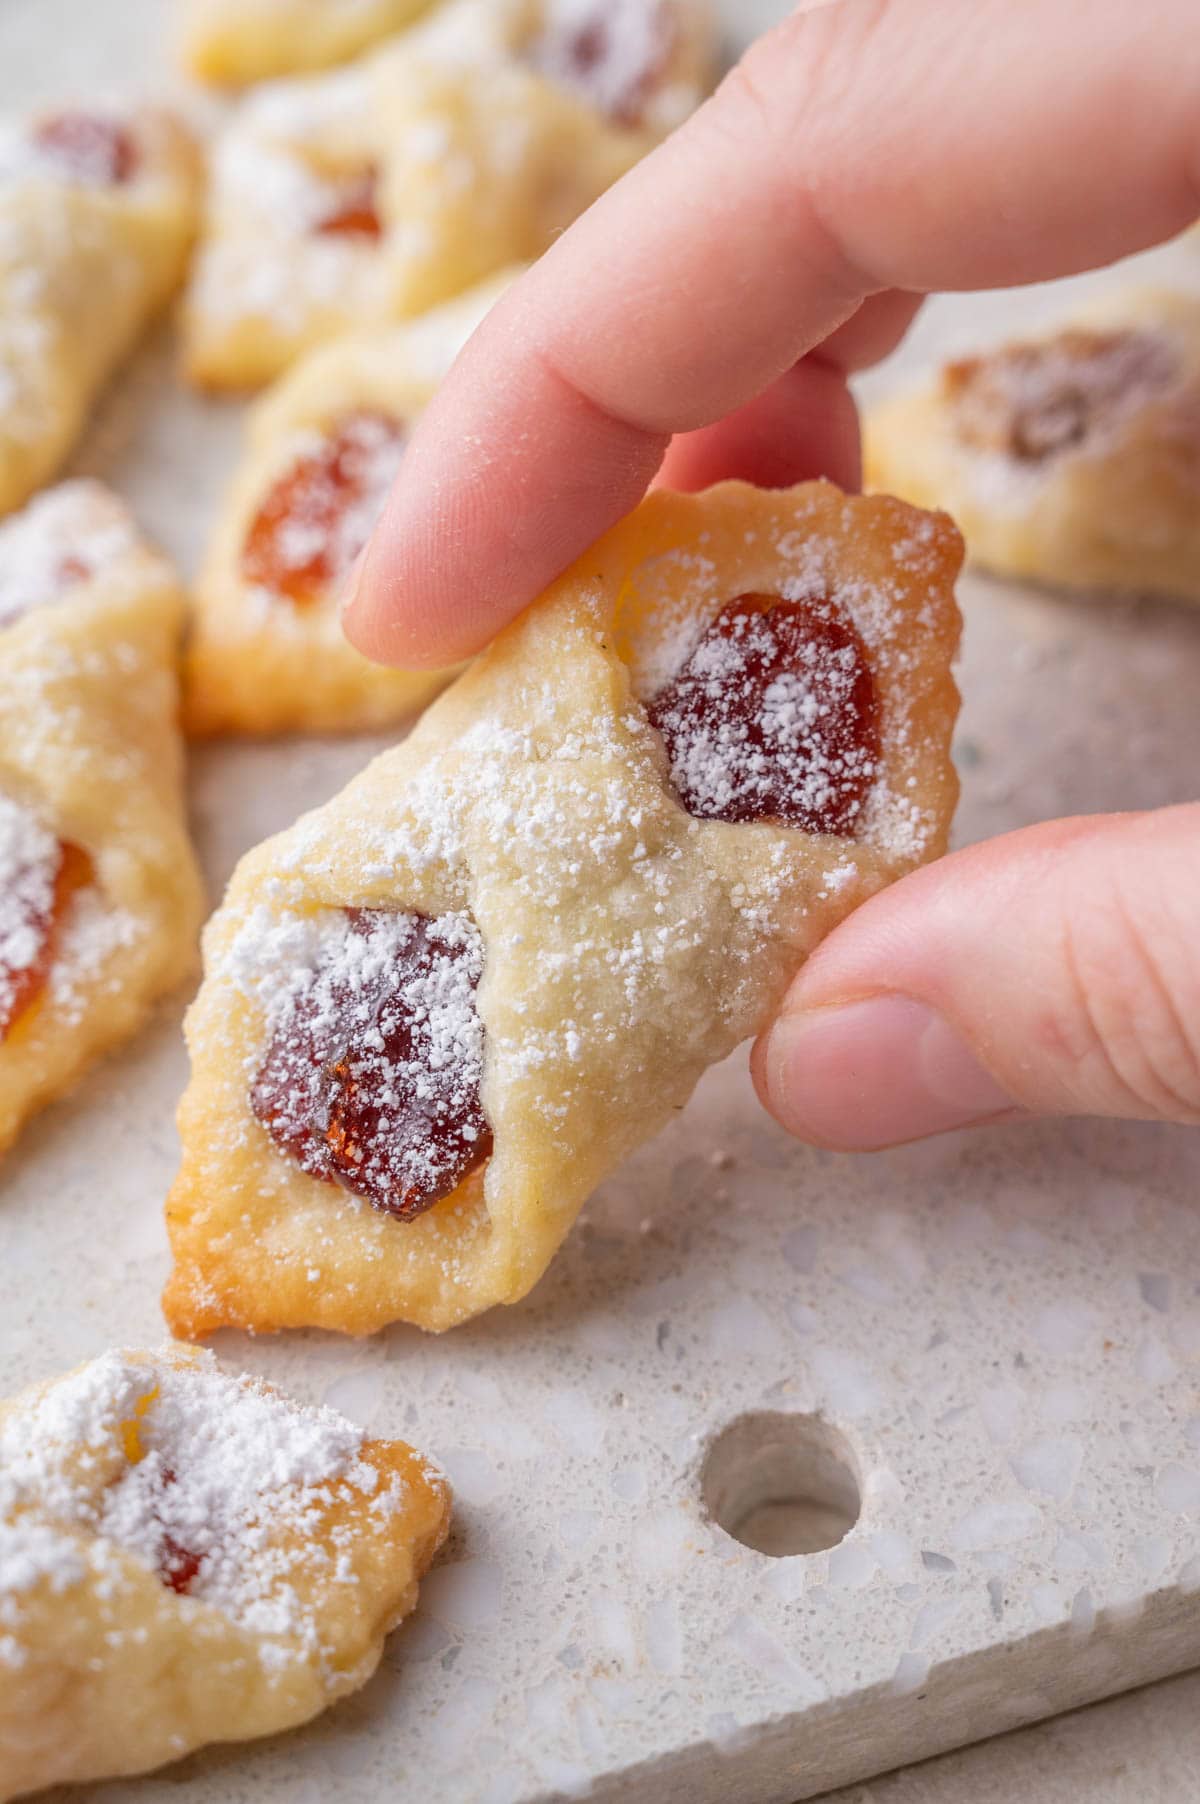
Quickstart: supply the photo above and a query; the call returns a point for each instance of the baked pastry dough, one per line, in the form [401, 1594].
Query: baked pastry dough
[1072, 458]
[100, 900]
[368, 195]
[643, 64]
[97, 211]
[188, 1557]
[234, 42]
[267, 653]
[439, 1009]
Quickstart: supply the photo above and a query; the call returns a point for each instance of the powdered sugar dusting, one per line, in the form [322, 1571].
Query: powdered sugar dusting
[608, 51]
[29, 862]
[91, 150]
[188, 1471]
[61, 538]
[94, 933]
[772, 717]
[1025, 406]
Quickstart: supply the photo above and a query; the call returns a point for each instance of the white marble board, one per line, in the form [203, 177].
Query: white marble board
[1005, 1327]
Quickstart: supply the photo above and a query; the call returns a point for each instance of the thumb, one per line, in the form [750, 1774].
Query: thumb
[1054, 971]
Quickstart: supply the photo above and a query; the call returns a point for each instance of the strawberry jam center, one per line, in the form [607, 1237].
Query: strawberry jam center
[39, 877]
[319, 514]
[372, 1076]
[353, 211]
[774, 717]
[97, 152]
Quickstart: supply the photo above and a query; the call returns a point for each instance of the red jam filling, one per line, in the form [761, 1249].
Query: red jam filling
[177, 1567]
[42, 920]
[373, 1079]
[318, 515]
[177, 1564]
[774, 717]
[99, 152]
[353, 211]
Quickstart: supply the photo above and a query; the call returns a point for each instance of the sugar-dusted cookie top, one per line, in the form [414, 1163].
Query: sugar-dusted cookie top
[439, 1009]
[186, 1555]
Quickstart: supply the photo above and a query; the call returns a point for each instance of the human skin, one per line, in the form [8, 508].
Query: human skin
[699, 322]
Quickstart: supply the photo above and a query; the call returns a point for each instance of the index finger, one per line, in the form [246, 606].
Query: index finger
[865, 146]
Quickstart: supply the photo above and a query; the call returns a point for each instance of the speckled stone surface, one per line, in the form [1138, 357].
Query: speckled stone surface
[1006, 1328]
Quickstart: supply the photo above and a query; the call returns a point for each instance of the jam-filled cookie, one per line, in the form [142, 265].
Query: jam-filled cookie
[188, 1557]
[1072, 458]
[374, 193]
[267, 653]
[100, 899]
[643, 64]
[97, 210]
[234, 42]
[439, 1009]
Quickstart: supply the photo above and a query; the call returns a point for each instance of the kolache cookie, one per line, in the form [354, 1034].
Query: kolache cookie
[100, 899]
[353, 199]
[97, 212]
[643, 64]
[234, 42]
[1072, 458]
[266, 652]
[188, 1557]
[438, 1010]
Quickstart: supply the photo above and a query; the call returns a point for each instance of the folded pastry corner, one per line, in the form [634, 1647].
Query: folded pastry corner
[235, 42]
[1072, 457]
[97, 214]
[187, 1557]
[439, 1009]
[100, 896]
[266, 652]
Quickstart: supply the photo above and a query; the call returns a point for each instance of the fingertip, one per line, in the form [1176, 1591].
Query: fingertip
[804, 426]
[877, 1072]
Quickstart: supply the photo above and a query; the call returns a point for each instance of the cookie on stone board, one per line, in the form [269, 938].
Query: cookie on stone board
[187, 1557]
[100, 897]
[1071, 458]
[438, 1010]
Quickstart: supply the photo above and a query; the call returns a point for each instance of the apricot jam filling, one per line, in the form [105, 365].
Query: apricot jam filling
[1032, 402]
[319, 513]
[353, 210]
[774, 717]
[39, 875]
[372, 1076]
[98, 152]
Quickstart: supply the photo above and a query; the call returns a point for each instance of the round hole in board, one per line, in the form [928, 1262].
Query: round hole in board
[781, 1484]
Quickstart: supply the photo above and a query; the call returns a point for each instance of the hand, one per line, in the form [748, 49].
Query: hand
[699, 322]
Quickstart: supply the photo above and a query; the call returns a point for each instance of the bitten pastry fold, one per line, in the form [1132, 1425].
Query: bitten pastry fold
[100, 898]
[266, 652]
[188, 1557]
[373, 193]
[439, 1009]
[1071, 458]
[97, 211]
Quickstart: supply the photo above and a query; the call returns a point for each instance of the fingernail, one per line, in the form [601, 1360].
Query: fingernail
[351, 584]
[876, 1073]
